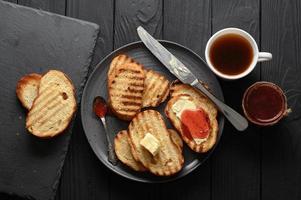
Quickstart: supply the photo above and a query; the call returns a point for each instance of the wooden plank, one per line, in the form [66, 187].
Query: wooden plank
[84, 176]
[188, 23]
[12, 1]
[56, 6]
[101, 13]
[128, 16]
[281, 160]
[236, 162]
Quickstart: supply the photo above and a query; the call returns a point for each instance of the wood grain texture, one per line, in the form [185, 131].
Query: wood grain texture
[281, 159]
[188, 23]
[101, 13]
[236, 161]
[131, 14]
[56, 6]
[84, 176]
[128, 16]
[12, 1]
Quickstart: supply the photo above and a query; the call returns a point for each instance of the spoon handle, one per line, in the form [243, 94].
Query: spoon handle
[111, 153]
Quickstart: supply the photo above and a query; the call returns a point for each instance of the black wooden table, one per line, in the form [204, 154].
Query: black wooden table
[261, 163]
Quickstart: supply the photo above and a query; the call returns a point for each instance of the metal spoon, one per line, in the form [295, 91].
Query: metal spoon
[100, 109]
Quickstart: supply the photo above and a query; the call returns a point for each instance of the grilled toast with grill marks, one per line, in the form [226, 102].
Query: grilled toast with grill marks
[169, 159]
[126, 91]
[117, 62]
[27, 89]
[156, 89]
[124, 153]
[54, 106]
[179, 91]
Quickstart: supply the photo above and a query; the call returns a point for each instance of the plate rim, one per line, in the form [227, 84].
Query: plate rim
[112, 168]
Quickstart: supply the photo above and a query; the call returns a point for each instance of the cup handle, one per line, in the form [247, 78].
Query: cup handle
[264, 56]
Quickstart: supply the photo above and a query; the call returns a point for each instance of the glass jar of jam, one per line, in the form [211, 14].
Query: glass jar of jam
[264, 103]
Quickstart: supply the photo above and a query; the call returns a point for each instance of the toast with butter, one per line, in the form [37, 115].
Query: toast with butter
[182, 92]
[126, 90]
[123, 149]
[27, 89]
[167, 158]
[54, 107]
[156, 89]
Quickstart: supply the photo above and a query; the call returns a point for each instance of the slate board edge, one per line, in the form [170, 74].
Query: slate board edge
[78, 95]
[43, 12]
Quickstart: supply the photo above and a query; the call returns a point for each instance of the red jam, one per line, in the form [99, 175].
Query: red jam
[195, 124]
[264, 103]
[100, 108]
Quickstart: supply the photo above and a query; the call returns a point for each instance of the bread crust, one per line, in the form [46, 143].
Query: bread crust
[27, 89]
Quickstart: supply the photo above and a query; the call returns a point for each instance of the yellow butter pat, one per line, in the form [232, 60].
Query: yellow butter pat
[150, 143]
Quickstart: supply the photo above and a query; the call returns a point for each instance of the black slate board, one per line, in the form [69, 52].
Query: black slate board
[36, 41]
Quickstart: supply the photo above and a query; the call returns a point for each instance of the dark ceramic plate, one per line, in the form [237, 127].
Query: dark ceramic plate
[97, 85]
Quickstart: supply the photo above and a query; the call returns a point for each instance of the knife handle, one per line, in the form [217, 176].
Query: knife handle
[236, 119]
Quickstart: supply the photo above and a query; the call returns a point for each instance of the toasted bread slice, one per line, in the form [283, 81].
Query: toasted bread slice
[156, 89]
[126, 91]
[176, 138]
[117, 62]
[169, 159]
[54, 106]
[123, 151]
[201, 102]
[27, 89]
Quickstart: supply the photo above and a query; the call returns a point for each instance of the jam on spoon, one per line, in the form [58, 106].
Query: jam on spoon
[100, 108]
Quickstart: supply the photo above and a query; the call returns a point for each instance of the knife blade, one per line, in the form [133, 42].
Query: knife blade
[177, 68]
[173, 64]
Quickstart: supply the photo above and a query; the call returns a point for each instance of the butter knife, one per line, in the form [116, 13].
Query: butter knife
[177, 68]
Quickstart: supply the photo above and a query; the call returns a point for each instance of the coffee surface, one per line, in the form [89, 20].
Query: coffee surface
[231, 54]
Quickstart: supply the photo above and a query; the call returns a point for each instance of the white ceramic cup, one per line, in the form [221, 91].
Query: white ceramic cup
[257, 56]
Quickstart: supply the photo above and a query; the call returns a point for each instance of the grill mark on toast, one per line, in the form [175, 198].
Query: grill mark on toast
[123, 109]
[132, 90]
[130, 71]
[49, 115]
[44, 92]
[56, 112]
[163, 93]
[131, 97]
[124, 95]
[127, 82]
[128, 103]
[41, 112]
[38, 107]
[136, 85]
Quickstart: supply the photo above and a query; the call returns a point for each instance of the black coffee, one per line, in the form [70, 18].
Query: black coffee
[231, 54]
